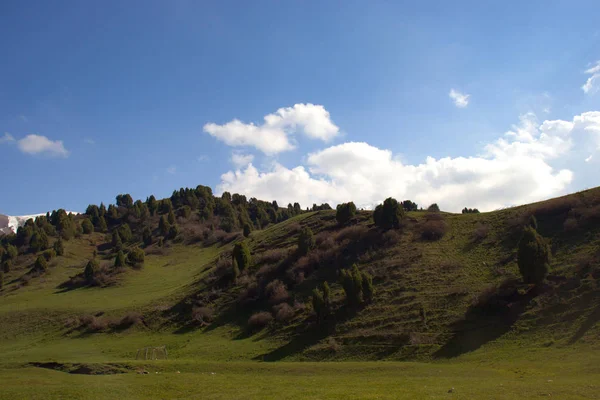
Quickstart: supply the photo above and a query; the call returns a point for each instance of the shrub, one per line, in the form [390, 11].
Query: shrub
[171, 217]
[90, 271]
[1, 279]
[119, 260]
[41, 265]
[130, 319]
[533, 256]
[433, 208]
[470, 211]
[276, 292]
[116, 241]
[173, 232]
[202, 315]
[102, 227]
[247, 230]
[367, 287]
[6, 266]
[283, 312]
[11, 252]
[241, 253]
[49, 254]
[345, 212]
[321, 302]
[533, 222]
[306, 241]
[163, 226]
[87, 226]
[259, 320]
[39, 241]
[351, 281]
[481, 232]
[147, 236]
[389, 214]
[125, 232]
[136, 257]
[352, 233]
[59, 247]
[433, 229]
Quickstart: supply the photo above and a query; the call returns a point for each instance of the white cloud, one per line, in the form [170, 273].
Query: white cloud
[36, 144]
[172, 169]
[241, 160]
[591, 85]
[89, 141]
[588, 159]
[7, 138]
[461, 100]
[273, 136]
[203, 158]
[514, 169]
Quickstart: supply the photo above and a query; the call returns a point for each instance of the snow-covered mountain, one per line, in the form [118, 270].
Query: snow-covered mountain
[10, 224]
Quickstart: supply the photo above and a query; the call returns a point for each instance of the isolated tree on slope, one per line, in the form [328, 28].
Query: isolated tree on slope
[533, 256]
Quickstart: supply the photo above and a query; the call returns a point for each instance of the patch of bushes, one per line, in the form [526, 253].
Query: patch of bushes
[203, 315]
[241, 254]
[481, 232]
[434, 228]
[276, 292]
[283, 312]
[306, 241]
[533, 256]
[259, 320]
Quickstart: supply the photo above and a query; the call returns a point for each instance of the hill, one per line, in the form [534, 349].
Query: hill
[446, 286]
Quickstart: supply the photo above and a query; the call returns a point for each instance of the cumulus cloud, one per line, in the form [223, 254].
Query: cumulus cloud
[241, 160]
[36, 144]
[7, 138]
[514, 169]
[461, 100]
[274, 135]
[591, 84]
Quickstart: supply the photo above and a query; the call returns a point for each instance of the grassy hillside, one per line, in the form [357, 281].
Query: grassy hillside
[447, 292]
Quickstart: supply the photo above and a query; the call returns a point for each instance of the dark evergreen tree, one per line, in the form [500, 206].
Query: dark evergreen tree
[152, 204]
[119, 259]
[87, 226]
[124, 200]
[39, 241]
[90, 271]
[41, 265]
[163, 225]
[59, 247]
[433, 208]
[389, 214]
[171, 217]
[533, 256]
[147, 236]
[247, 229]
[102, 225]
[306, 241]
[345, 212]
[241, 254]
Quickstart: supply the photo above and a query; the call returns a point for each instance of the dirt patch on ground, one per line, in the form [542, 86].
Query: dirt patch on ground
[84, 369]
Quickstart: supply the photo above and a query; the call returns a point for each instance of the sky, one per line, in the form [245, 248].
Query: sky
[463, 103]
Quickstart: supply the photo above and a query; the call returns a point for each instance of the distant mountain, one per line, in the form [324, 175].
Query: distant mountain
[10, 224]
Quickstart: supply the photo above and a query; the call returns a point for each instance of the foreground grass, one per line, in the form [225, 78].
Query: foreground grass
[249, 380]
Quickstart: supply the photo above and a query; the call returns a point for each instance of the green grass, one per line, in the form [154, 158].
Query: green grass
[382, 380]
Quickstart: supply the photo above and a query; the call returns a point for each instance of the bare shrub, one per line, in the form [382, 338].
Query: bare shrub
[299, 306]
[283, 312]
[293, 228]
[481, 232]
[433, 229]
[202, 315]
[352, 233]
[259, 320]
[98, 324]
[324, 240]
[214, 237]
[270, 256]
[249, 295]
[276, 292]
[390, 237]
[130, 319]
[266, 270]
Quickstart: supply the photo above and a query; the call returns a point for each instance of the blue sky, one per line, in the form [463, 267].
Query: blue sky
[119, 95]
